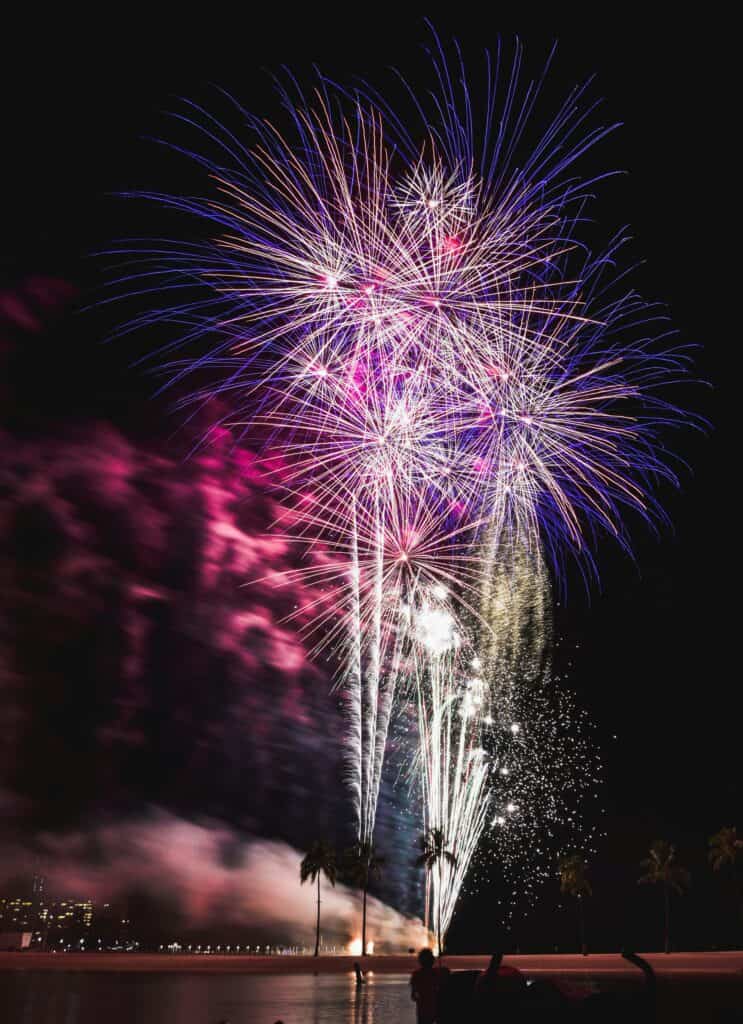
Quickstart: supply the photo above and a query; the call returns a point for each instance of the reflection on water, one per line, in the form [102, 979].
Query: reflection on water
[362, 1006]
[363, 1001]
[29, 997]
[56, 997]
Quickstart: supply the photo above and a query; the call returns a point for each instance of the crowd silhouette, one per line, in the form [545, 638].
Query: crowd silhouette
[502, 993]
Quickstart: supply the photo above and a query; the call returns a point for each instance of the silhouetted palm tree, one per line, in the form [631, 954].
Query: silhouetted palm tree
[434, 851]
[725, 849]
[573, 881]
[661, 868]
[362, 863]
[319, 860]
[726, 854]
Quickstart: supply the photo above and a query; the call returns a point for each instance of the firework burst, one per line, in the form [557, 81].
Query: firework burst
[411, 321]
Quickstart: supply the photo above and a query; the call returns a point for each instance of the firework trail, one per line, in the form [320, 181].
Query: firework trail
[453, 766]
[410, 319]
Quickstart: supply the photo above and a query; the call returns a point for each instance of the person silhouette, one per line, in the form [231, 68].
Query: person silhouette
[485, 987]
[499, 987]
[425, 987]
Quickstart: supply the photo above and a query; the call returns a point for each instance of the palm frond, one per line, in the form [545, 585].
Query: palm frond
[319, 859]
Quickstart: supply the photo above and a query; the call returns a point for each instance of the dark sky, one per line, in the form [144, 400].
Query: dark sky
[653, 649]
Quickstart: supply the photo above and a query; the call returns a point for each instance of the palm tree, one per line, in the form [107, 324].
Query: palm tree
[726, 853]
[725, 849]
[318, 861]
[572, 871]
[361, 863]
[661, 868]
[434, 851]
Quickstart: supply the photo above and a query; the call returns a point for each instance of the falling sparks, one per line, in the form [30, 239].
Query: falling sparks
[502, 752]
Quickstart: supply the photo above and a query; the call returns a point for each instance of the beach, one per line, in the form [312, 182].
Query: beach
[720, 964]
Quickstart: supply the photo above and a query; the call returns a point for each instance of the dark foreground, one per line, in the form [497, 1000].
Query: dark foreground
[100, 998]
[123, 989]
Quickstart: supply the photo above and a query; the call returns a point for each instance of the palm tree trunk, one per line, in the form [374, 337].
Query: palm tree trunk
[667, 930]
[438, 908]
[317, 933]
[363, 920]
[582, 924]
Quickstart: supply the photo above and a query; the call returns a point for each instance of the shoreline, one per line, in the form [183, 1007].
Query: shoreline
[718, 964]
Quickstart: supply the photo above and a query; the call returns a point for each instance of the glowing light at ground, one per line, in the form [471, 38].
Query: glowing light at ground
[354, 947]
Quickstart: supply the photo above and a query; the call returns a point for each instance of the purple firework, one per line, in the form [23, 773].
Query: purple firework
[411, 318]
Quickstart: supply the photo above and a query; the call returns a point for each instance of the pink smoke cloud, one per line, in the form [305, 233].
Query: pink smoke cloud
[258, 890]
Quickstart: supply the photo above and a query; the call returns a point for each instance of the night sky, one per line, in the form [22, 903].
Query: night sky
[101, 513]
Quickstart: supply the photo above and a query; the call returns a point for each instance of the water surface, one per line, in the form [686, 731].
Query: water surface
[31, 997]
[77, 997]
